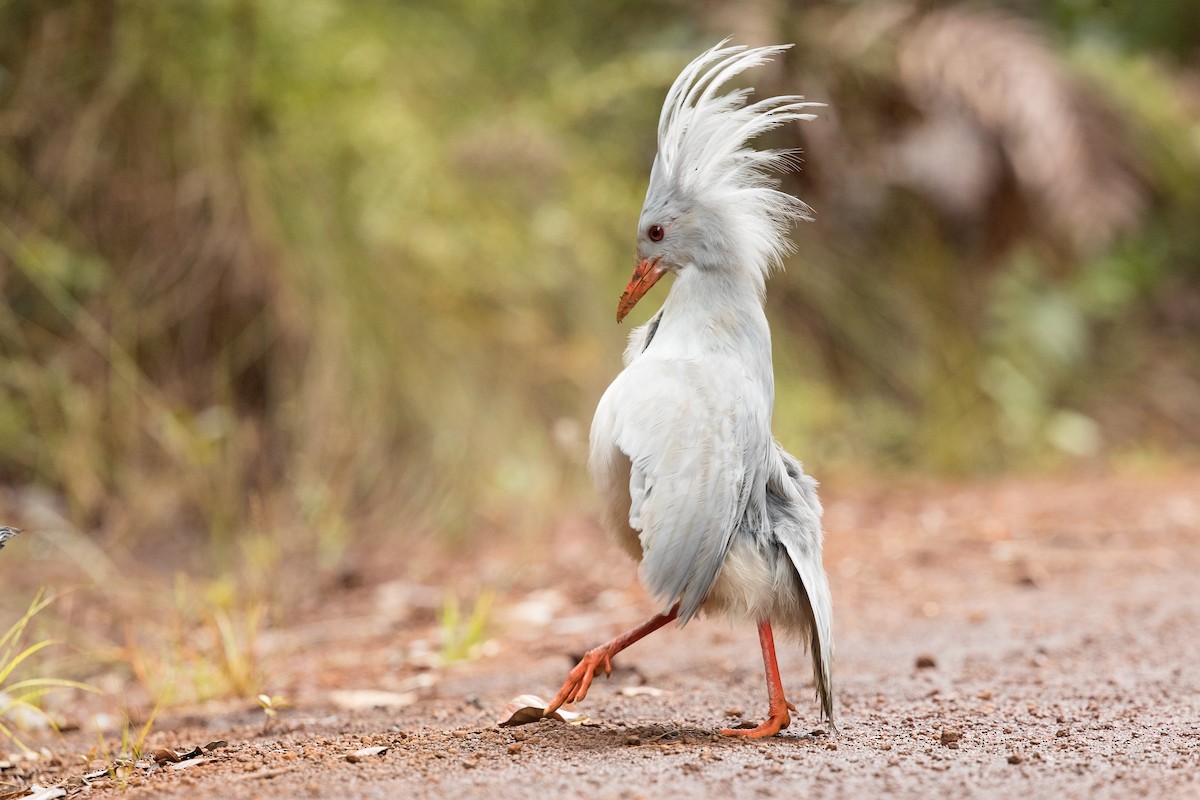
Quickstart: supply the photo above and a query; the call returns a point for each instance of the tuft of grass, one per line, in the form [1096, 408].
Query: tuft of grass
[236, 644]
[204, 647]
[463, 638]
[25, 694]
[120, 762]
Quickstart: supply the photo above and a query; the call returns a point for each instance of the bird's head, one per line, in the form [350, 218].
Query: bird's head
[713, 202]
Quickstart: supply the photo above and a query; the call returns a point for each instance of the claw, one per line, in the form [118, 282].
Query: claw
[579, 679]
[776, 722]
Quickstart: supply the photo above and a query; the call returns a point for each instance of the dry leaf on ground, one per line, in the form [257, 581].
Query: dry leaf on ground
[45, 792]
[366, 752]
[527, 708]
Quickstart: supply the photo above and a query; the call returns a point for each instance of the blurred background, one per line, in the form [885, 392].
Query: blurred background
[287, 285]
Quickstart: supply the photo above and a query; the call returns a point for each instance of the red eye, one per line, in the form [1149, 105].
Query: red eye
[655, 232]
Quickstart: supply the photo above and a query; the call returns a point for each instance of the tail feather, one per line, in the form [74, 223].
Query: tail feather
[796, 515]
[820, 625]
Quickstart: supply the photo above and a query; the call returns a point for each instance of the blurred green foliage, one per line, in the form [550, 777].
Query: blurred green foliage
[276, 272]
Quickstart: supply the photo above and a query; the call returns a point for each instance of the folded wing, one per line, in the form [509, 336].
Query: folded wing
[692, 442]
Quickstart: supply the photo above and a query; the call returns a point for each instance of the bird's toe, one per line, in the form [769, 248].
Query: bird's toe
[775, 722]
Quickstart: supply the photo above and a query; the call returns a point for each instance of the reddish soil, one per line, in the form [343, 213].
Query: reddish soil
[1032, 637]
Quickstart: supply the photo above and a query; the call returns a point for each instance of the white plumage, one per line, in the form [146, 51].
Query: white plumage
[704, 159]
[695, 487]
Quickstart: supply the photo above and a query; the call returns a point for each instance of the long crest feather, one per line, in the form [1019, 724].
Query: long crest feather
[704, 153]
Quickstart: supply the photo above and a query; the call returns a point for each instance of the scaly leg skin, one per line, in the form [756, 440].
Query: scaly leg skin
[575, 688]
[777, 716]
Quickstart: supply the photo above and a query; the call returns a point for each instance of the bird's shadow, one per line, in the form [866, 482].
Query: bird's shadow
[658, 737]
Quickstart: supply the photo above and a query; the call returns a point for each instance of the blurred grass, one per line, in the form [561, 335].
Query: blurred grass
[21, 697]
[279, 278]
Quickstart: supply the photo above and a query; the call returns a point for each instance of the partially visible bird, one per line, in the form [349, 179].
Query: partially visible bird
[7, 533]
[695, 487]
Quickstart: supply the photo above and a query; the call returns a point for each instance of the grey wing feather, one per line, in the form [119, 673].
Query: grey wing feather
[640, 338]
[795, 513]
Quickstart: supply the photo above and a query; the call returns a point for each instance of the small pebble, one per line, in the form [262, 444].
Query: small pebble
[515, 748]
[925, 662]
[1015, 758]
[950, 737]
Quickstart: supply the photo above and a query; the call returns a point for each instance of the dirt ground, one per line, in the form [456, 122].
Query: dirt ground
[1015, 637]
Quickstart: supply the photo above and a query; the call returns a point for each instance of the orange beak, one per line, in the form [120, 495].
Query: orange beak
[645, 275]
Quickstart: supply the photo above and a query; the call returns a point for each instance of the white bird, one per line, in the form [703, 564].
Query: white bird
[695, 487]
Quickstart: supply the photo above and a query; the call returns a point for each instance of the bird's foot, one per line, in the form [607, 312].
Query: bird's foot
[579, 679]
[778, 719]
[575, 688]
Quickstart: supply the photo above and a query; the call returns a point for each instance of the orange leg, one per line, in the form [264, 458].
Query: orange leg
[575, 688]
[778, 717]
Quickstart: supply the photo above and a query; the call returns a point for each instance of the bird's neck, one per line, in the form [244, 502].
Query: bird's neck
[711, 310]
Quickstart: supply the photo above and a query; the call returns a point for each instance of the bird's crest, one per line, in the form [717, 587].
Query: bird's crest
[704, 152]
